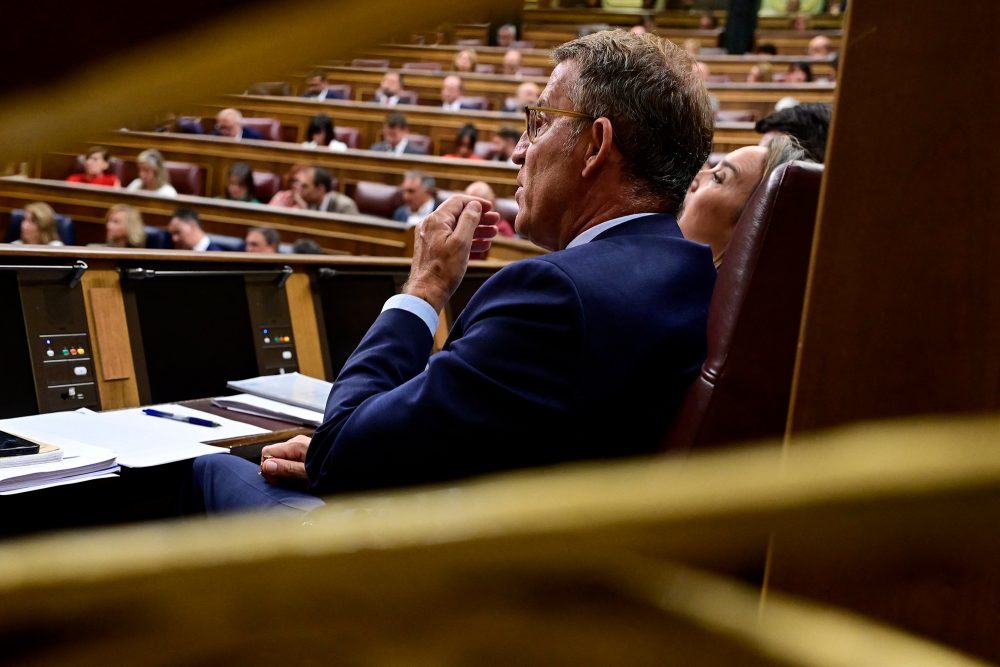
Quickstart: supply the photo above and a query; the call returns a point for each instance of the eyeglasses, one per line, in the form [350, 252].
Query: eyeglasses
[536, 124]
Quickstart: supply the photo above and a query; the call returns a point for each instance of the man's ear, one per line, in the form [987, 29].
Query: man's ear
[600, 147]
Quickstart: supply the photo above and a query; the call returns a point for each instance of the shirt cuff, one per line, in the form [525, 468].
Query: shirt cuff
[415, 305]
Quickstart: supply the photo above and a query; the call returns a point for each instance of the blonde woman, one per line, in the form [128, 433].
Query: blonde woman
[125, 228]
[39, 225]
[464, 61]
[153, 175]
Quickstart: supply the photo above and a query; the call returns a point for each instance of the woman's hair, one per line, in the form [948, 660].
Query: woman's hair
[783, 148]
[243, 172]
[472, 59]
[467, 131]
[135, 228]
[154, 158]
[321, 123]
[45, 218]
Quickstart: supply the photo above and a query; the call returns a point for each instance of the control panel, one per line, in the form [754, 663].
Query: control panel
[276, 349]
[67, 377]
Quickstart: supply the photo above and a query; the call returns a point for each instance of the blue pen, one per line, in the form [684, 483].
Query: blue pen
[198, 421]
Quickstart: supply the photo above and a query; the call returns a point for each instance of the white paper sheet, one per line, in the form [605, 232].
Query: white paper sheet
[137, 439]
[79, 463]
[265, 407]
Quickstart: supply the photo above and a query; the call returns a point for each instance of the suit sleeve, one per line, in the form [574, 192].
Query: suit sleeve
[393, 418]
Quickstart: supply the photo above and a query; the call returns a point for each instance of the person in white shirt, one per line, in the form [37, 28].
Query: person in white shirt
[321, 133]
[395, 136]
[451, 92]
[390, 88]
[418, 195]
[153, 174]
[187, 234]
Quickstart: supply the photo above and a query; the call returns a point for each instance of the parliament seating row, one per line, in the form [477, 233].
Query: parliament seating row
[215, 155]
[736, 67]
[427, 85]
[668, 18]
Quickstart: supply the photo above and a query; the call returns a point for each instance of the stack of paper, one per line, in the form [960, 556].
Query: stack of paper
[265, 407]
[290, 388]
[79, 463]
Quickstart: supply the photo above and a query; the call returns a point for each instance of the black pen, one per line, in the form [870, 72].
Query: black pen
[198, 421]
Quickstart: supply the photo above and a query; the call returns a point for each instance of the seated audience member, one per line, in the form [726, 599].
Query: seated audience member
[708, 21]
[229, 123]
[320, 133]
[395, 131]
[465, 143]
[799, 73]
[820, 46]
[692, 46]
[390, 88]
[95, 167]
[547, 361]
[483, 190]
[263, 239]
[452, 88]
[187, 234]
[418, 198]
[306, 247]
[240, 185]
[504, 142]
[511, 63]
[312, 190]
[317, 87]
[717, 196]
[808, 123]
[527, 93]
[124, 227]
[506, 35]
[153, 175]
[761, 73]
[39, 226]
[800, 23]
[464, 61]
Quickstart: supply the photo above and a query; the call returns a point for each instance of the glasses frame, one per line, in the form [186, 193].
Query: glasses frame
[533, 108]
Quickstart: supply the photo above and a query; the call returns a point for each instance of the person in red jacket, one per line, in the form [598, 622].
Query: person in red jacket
[95, 167]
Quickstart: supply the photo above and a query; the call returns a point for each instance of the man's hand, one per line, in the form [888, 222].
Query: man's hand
[462, 226]
[284, 462]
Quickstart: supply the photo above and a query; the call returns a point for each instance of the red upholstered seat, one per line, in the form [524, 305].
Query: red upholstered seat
[269, 128]
[422, 66]
[377, 198]
[349, 135]
[744, 386]
[186, 177]
[266, 184]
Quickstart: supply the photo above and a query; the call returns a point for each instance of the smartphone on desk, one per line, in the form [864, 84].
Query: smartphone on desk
[11, 445]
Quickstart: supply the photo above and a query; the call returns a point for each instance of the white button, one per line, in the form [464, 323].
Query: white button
[72, 391]
[50, 353]
[266, 340]
[80, 370]
[287, 354]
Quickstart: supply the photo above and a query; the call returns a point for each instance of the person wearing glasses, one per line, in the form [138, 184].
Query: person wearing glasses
[553, 358]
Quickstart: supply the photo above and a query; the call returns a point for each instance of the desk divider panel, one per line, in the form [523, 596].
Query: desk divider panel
[196, 329]
[52, 352]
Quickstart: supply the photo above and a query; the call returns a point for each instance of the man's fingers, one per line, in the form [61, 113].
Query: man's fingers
[485, 231]
[281, 469]
[469, 220]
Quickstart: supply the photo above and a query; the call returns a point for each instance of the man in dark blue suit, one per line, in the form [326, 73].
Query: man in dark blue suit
[187, 234]
[553, 358]
[229, 123]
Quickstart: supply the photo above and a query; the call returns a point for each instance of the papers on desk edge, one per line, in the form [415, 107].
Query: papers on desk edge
[295, 389]
[265, 407]
[78, 463]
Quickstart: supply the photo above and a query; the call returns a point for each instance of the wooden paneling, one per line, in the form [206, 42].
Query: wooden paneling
[112, 352]
[302, 310]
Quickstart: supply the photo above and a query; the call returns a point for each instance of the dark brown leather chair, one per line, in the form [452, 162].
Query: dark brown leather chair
[377, 63]
[266, 184]
[277, 88]
[186, 177]
[378, 199]
[744, 386]
[477, 102]
[349, 135]
[422, 66]
[269, 128]
[420, 142]
[735, 116]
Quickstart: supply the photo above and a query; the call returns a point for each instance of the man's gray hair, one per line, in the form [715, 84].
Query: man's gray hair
[425, 180]
[658, 107]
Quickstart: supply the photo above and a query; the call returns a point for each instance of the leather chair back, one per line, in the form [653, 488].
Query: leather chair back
[186, 177]
[428, 66]
[269, 128]
[265, 185]
[376, 63]
[349, 135]
[477, 102]
[279, 88]
[744, 386]
[158, 238]
[421, 142]
[378, 199]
